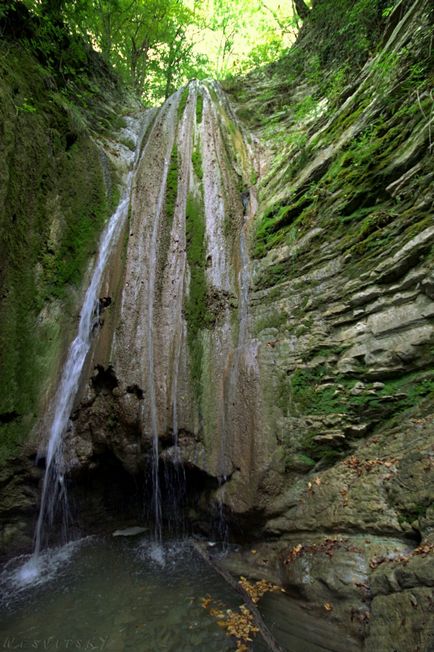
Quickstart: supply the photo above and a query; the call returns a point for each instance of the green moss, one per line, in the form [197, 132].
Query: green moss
[273, 320]
[326, 453]
[414, 512]
[169, 211]
[183, 102]
[84, 207]
[196, 159]
[310, 397]
[272, 275]
[196, 311]
[412, 387]
[279, 224]
[297, 461]
[199, 109]
[53, 205]
[172, 186]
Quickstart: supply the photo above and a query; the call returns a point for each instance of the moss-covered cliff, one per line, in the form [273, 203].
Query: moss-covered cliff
[343, 308]
[56, 191]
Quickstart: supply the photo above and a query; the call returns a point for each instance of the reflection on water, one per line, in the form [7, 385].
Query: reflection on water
[115, 595]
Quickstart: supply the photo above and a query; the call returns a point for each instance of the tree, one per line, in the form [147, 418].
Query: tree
[301, 8]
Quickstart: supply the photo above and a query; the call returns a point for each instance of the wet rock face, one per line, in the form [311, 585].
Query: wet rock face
[19, 498]
[178, 355]
[342, 306]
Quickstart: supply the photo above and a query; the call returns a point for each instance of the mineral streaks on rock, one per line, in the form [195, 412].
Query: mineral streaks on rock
[182, 336]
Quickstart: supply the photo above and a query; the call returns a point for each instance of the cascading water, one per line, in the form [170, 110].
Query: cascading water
[151, 288]
[54, 495]
[151, 340]
[181, 338]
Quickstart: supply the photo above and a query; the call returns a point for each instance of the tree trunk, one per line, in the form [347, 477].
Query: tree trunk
[301, 8]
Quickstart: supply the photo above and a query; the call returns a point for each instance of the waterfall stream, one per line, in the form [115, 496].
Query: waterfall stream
[182, 335]
[188, 181]
[53, 495]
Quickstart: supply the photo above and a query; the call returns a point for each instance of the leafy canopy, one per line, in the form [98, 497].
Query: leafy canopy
[157, 45]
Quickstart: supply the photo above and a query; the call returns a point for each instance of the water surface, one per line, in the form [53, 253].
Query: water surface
[111, 594]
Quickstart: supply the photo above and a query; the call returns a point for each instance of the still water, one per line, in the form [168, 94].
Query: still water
[115, 594]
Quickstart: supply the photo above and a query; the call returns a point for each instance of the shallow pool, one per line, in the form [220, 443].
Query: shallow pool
[115, 594]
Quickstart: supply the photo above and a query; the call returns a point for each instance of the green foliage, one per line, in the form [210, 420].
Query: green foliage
[155, 45]
[345, 30]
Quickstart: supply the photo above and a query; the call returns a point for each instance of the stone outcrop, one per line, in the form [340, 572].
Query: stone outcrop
[342, 306]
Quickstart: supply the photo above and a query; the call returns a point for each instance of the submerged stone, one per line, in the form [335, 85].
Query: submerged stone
[130, 531]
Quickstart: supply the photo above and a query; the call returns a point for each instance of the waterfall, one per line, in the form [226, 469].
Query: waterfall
[54, 490]
[53, 484]
[149, 346]
[181, 335]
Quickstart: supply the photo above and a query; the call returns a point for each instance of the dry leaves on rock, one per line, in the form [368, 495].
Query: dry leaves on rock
[327, 547]
[310, 485]
[256, 590]
[360, 466]
[344, 494]
[238, 624]
[422, 550]
[293, 554]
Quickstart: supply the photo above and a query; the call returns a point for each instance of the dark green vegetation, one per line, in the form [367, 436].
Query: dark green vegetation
[55, 194]
[171, 196]
[199, 108]
[145, 41]
[196, 159]
[195, 310]
[172, 186]
[332, 398]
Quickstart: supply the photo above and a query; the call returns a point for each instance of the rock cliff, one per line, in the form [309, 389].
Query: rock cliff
[268, 323]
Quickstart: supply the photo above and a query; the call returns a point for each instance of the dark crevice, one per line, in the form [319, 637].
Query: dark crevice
[135, 389]
[104, 380]
[104, 303]
[8, 417]
[104, 493]
[71, 139]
